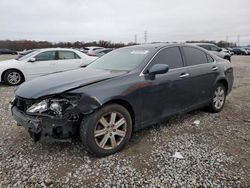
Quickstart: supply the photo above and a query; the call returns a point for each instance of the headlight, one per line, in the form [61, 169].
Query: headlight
[38, 107]
[53, 106]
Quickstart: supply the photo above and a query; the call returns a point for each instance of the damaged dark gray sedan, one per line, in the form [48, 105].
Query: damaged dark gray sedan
[121, 92]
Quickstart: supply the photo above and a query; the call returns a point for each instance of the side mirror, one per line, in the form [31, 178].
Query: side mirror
[32, 59]
[219, 50]
[158, 69]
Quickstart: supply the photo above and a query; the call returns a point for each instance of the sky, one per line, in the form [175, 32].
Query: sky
[121, 20]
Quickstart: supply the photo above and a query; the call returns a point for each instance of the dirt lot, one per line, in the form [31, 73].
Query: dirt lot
[216, 152]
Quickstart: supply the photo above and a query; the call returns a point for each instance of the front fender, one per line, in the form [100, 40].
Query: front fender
[88, 104]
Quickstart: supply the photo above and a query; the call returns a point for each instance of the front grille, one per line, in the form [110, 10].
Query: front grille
[23, 104]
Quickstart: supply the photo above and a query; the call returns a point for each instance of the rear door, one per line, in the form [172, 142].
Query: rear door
[68, 60]
[203, 72]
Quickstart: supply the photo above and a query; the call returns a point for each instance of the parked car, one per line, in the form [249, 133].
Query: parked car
[230, 50]
[8, 51]
[25, 52]
[100, 52]
[225, 50]
[247, 50]
[91, 49]
[215, 50]
[41, 62]
[240, 51]
[121, 92]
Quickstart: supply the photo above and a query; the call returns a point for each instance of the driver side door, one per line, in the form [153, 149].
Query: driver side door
[168, 93]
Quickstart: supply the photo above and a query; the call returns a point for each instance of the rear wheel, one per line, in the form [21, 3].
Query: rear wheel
[13, 77]
[219, 98]
[228, 58]
[107, 130]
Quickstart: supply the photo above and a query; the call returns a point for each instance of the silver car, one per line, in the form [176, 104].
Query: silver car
[215, 50]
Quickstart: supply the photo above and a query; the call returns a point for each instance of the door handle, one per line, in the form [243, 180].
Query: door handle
[215, 68]
[184, 75]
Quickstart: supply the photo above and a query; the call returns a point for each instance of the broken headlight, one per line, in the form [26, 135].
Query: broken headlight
[55, 106]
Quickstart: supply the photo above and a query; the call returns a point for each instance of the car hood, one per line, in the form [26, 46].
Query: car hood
[64, 81]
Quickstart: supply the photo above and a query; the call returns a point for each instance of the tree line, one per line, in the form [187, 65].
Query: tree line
[20, 45]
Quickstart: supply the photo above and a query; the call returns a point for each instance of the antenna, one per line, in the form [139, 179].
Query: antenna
[238, 40]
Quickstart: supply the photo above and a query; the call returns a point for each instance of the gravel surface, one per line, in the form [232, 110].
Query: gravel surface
[216, 151]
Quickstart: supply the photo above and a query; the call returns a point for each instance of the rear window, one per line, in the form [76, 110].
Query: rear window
[194, 56]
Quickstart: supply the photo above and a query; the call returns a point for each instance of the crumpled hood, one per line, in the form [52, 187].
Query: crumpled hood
[63, 81]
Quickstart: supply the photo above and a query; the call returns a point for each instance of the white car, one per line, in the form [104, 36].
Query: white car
[42, 62]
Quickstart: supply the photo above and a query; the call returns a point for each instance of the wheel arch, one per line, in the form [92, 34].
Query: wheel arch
[227, 57]
[126, 105]
[224, 82]
[3, 73]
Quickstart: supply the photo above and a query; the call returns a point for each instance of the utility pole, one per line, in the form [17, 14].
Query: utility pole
[238, 40]
[135, 38]
[145, 36]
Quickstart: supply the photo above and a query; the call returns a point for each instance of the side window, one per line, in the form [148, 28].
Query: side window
[77, 56]
[214, 48]
[194, 56]
[46, 56]
[67, 55]
[210, 59]
[170, 56]
[207, 47]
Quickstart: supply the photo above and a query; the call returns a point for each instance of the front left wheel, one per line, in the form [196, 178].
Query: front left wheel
[107, 130]
[13, 77]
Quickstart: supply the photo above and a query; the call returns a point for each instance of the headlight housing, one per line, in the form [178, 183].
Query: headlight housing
[53, 106]
[38, 107]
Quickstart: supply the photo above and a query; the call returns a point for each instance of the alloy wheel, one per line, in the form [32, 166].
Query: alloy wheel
[14, 78]
[219, 97]
[110, 130]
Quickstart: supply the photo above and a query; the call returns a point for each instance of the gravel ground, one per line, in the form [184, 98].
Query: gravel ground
[216, 152]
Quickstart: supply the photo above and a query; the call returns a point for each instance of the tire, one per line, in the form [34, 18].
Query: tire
[13, 77]
[103, 135]
[219, 98]
[228, 58]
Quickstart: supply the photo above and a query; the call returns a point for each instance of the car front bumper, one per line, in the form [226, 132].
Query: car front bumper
[45, 127]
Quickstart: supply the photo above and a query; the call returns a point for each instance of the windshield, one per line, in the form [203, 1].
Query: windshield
[121, 59]
[27, 56]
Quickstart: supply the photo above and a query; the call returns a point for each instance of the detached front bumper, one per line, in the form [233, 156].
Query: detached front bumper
[44, 127]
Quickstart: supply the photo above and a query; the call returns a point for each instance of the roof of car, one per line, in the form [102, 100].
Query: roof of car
[45, 49]
[158, 45]
[201, 43]
[152, 45]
